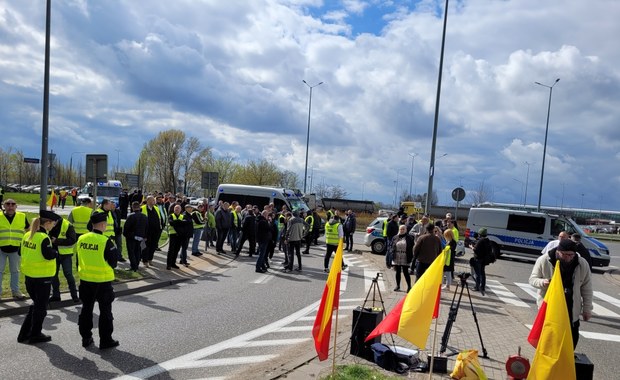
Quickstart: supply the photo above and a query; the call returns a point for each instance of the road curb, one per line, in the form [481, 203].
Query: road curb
[613, 276]
[23, 309]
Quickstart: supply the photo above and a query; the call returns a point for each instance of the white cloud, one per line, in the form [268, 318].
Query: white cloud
[230, 73]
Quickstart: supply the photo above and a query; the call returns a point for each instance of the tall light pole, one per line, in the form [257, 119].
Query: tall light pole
[527, 177]
[431, 169]
[308, 134]
[542, 170]
[413, 155]
[521, 182]
[118, 156]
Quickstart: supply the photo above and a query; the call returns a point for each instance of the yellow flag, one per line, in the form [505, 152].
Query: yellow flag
[419, 306]
[555, 356]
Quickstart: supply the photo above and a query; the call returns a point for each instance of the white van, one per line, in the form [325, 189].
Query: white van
[261, 196]
[524, 234]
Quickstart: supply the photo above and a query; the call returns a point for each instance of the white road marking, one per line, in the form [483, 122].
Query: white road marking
[272, 342]
[597, 309]
[226, 361]
[369, 276]
[184, 360]
[600, 336]
[295, 328]
[529, 289]
[605, 297]
[504, 294]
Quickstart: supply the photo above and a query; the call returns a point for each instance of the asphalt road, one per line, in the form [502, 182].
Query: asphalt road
[208, 328]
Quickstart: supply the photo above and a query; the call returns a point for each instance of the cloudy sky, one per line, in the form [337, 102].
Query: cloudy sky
[230, 73]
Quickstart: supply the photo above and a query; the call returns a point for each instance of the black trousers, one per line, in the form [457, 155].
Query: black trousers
[103, 294]
[175, 245]
[329, 249]
[251, 238]
[152, 242]
[294, 248]
[134, 252]
[39, 291]
[308, 239]
[221, 236]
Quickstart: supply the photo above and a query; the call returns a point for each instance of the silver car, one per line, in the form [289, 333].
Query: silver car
[374, 236]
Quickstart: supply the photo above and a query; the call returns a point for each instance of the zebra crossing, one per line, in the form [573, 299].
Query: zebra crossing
[508, 297]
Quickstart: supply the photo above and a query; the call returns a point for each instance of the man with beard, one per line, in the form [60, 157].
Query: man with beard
[576, 280]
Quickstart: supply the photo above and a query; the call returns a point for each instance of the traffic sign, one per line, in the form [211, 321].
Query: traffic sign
[458, 194]
[209, 180]
[96, 167]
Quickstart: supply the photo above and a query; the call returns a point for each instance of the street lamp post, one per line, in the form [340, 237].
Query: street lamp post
[431, 170]
[521, 197]
[413, 155]
[542, 171]
[308, 134]
[118, 156]
[527, 177]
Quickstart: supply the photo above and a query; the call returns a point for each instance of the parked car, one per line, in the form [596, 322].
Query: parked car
[374, 236]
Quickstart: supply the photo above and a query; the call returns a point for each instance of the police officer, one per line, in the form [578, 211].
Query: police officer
[63, 238]
[97, 255]
[80, 216]
[309, 235]
[13, 224]
[39, 266]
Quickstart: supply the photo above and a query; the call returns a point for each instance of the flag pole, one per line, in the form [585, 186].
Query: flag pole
[430, 372]
[335, 336]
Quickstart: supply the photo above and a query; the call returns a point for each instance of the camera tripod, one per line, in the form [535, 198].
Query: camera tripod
[454, 309]
[376, 292]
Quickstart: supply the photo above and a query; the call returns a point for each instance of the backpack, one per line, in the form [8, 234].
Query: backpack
[385, 358]
[484, 251]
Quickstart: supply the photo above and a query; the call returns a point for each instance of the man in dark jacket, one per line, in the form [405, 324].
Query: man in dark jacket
[391, 230]
[350, 223]
[223, 223]
[135, 231]
[482, 252]
[263, 237]
[427, 248]
[248, 232]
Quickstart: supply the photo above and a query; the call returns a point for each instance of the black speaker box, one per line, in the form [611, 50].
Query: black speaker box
[583, 367]
[364, 321]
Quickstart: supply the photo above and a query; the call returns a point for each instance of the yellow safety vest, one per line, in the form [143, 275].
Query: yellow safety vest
[81, 216]
[331, 234]
[12, 233]
[175, 217]
[310, 221]
[385, 223]
[145, 211]
[65, 249]
[93, 267]
[109, 229]
[33, 263]
[281, 222]
[199, 217]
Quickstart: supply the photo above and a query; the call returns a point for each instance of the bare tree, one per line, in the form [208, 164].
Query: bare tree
[481, 194]
[189, 153]
[163, 159]
[289, 180]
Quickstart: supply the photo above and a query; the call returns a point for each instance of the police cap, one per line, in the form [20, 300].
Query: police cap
[98, 217]
[49, 215]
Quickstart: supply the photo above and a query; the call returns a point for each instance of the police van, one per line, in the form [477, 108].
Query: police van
[261, 196]
[524, 233]
[110, 189]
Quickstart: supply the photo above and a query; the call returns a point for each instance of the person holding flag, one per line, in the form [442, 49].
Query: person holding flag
[52, 200]
[576, 281]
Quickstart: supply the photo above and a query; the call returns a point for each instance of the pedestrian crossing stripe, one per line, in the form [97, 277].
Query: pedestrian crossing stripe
[504, 294]
[369, 276]
[598, 310]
